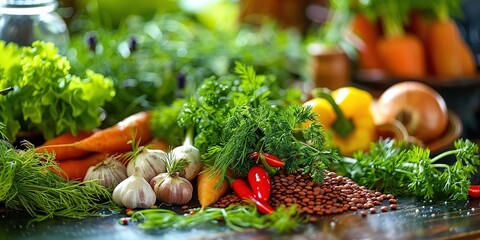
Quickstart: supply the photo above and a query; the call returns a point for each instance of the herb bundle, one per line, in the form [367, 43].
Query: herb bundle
[405, 170]
[237, 115]
[28, 183]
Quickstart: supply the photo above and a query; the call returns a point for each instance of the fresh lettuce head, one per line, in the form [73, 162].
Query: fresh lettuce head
[46, 96]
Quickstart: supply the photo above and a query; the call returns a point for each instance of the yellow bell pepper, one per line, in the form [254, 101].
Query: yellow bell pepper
[345, 114]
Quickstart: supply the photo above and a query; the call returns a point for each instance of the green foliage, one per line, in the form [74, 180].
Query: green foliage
[46, 96]
[236, 115]
[235, 217]
[175, 47]
[409, 171]
[27, 183]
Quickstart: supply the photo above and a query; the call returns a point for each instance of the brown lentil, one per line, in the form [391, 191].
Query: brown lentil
[336, 194]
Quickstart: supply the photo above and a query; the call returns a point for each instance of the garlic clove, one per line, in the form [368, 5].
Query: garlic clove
[134, 192]
[150, 163]
[192, 154]
[110, 172]
[172, 189]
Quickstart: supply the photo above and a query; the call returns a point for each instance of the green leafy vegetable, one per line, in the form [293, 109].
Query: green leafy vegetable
[236, 217]
[27, 183]
[409, 171]
[46, 96]
[235, 116]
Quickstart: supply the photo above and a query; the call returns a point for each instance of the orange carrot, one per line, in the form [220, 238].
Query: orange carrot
[443, 47]
[75, 169]
[62, 148]
[68, 138]
[209, 190]
[62, 151]
[469, 64]
[156, 143]
[368, 32]
[115, 139]
[403, 55]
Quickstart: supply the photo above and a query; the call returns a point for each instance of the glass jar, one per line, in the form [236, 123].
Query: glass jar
[25, 21]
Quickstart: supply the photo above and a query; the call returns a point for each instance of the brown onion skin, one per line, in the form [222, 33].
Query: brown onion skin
[425, 108]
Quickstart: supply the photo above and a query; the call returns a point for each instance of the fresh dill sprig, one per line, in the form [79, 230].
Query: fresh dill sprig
[28, 182]
[234, 117]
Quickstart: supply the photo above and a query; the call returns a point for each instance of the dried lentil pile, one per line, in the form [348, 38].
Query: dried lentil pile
[336, 194]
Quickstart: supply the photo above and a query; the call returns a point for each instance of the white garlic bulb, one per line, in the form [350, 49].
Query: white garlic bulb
[134, 192]
[150, 163]
[170, 188]
[192, 155]
[110, 172]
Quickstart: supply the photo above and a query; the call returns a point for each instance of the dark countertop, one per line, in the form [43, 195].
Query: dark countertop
[412, 220]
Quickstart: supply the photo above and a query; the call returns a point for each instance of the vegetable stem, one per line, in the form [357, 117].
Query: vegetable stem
[342, 125]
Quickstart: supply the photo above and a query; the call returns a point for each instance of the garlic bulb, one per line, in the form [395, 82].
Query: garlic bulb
[170, 188]
[134, 192]
[192, 155]
[150, 163]
[110, 172]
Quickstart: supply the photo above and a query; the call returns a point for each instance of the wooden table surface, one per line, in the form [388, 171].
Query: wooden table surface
[412, 220]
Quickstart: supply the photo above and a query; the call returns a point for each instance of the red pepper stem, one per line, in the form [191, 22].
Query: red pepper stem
[270, 170]
[342, 126]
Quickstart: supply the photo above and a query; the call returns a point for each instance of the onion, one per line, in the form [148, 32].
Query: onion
[420, 108]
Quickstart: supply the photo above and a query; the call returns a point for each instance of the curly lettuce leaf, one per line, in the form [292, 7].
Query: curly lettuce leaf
[46, 96]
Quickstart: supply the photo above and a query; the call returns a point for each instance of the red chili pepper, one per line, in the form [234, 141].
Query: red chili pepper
[260, 183]
[474, 191]
[241, 188]
[272, 160]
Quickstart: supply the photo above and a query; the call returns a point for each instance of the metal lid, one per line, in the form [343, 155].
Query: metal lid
[27, 7]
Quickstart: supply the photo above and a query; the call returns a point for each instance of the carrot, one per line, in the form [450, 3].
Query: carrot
[443, 46]
[115, 139]
[68, 138]
[156, 143]
[469, 64]
[61, 146]
[368, 32]
[403, 56]
[75, 169]
[209, 190]
[62, 151]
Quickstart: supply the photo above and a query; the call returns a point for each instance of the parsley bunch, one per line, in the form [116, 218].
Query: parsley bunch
[405, 170]
[237, 115]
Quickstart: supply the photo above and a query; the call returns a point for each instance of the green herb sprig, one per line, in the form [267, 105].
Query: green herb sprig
[235, 116]
[409, 171]
[28, 183]
[235, 217]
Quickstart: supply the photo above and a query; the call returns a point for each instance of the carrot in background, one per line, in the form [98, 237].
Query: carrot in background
[368, 32]
[446, 49]
[402, 54]
[209, 187]
[75, 169]
[61, 146]
[469, 64]
[443, 49]
[156, 143]
[115, 139]
[62, 151]
[68, 138]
